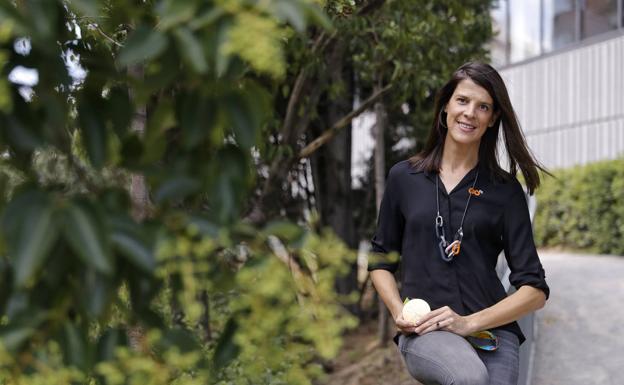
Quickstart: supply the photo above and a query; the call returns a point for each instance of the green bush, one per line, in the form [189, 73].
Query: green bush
[103, 284]
[583, 208]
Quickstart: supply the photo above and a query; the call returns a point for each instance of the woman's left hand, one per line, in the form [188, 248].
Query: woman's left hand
[444, 319]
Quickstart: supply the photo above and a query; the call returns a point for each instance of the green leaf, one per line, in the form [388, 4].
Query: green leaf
[180, 338]
[222, 59]
[243, 118]
[229, 183]
[13, 338]
[284, 230]
[316, 14]
[5, 284]
[85, 7]
[100, 289]
[226, 349]
[21, 134]
[175, 188]
[175, 12]
[142, 291]
[18, 303]
[161, 120]
[74, 345]
[132, 150]
[85, 234]
[205, 226]
[191, 50]
[30, 231]
[21, 328]
[108, 343]
[207, 18]
[114, 199]
[120, 110]
[197, 116]
[9, 16]
[43, 17]
[134, 250]
[142, 45]
[55, 107]
[93, 128]
[292, 12]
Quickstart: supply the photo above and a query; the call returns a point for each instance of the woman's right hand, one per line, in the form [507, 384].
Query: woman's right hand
[404, 326]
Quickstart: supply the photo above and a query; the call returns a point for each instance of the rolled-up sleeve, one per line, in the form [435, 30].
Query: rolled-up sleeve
[389, 233]
[519, 246]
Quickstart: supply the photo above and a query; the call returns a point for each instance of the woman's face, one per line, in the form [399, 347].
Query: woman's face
[469, 113]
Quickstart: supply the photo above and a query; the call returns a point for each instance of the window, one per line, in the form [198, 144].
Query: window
[499, 44]
[599, 16]
[525, 29]
[528, 28]
[559, 24]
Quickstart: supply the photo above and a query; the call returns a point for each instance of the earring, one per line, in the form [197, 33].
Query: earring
[440, 122]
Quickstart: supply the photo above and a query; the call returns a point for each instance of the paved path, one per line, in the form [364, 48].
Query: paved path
[581, 329]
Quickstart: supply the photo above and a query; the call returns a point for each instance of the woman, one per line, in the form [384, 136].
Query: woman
[448, 212]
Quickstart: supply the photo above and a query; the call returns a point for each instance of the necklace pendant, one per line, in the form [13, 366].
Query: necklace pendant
[453, 249]
[456, 248]
[448, 251]
[443, 254]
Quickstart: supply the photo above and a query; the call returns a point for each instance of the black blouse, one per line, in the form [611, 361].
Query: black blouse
[498, 219]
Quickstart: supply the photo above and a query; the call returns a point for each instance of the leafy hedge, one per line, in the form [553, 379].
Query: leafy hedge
[98, 286]
[583, 208]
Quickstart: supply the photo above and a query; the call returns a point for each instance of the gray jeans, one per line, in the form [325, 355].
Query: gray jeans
[444, 358]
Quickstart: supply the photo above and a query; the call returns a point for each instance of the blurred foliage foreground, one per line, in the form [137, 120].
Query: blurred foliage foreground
[583, 208]
[101, 287]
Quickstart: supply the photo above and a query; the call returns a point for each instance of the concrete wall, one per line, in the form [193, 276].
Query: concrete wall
[571, 104]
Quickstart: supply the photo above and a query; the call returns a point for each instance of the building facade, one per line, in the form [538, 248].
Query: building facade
[563, 63]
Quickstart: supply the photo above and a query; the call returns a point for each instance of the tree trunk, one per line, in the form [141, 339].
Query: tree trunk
[380, 170]
[331, 168]
[204, 322]
[139, 195]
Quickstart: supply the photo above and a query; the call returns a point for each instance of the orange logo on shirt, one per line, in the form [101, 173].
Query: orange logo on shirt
[475, 192]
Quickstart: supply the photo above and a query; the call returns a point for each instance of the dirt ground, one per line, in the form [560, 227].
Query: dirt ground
[363, 362]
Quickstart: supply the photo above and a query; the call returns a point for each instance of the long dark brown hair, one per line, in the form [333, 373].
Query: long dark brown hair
[519, 155]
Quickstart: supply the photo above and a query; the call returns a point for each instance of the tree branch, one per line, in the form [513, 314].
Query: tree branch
[97, 27]
[293, 101]
[304, 282]
[327, 135]
[370, 7]
[295, 96]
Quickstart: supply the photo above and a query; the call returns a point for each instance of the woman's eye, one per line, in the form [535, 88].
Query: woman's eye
[461, 100]
[485, 107]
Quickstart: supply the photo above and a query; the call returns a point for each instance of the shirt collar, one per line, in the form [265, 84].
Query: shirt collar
[484, 172]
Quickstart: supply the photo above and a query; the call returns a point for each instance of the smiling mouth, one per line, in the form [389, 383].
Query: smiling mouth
[466, 126]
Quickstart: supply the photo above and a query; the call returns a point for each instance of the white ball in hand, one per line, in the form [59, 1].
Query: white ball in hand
[414, 309]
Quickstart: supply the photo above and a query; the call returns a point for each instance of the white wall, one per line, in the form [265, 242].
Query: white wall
[571, 104]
